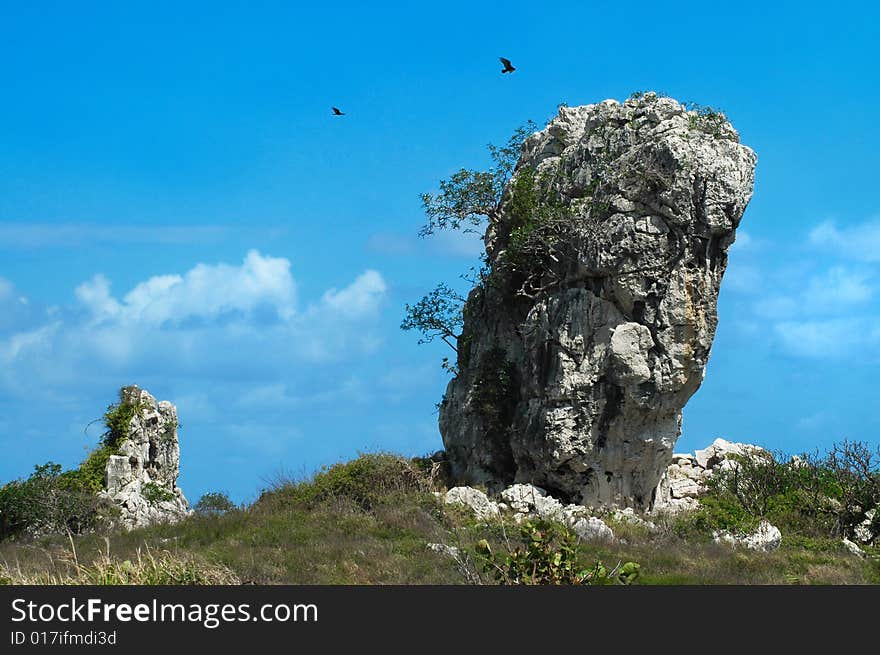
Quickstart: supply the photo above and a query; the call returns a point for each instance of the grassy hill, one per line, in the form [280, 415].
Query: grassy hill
[369, 521]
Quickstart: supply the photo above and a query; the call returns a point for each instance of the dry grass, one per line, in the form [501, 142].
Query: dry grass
[368, 522]
[148, 567]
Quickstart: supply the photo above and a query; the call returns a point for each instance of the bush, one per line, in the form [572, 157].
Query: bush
[366, 481]
[93, 469]
[48, 501]
[154, 493]
[814, 495]
[214, 504]
[117, 420]
[550, 555]
[148, 568]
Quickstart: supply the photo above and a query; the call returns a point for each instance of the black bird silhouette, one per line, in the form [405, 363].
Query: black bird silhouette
[508, 67]
[337, 112]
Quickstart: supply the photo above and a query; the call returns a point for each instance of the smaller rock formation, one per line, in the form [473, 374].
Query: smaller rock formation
[522, 502]
[853, 548]
[865, 532]
[474, 499]
[142, 478]
[766, 537]
[685, 479]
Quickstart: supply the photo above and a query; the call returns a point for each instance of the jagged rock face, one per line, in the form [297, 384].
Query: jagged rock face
[142, 478]
[578, 354]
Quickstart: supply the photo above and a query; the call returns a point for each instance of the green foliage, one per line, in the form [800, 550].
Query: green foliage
[549, 555]
[214, 503]
[469, 196]
[706, 119]
[91, 471]
[364, 481]
[437, 314]
[117, 420]
[812, 496]
[50, 500]
[154, 493]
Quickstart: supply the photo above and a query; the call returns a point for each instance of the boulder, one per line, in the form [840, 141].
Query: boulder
[766, 537]
[473, 499]
[864, 532]
[592, 529]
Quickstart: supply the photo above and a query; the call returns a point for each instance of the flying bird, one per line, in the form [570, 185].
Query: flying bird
[508, 67]
[338, 112]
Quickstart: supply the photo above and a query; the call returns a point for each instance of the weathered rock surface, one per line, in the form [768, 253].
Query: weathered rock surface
[685, 478]
[865, 531]
[852, 547]
[523, 502]
[577, 357]
[142, 479]
[765, 537]
[474, 499]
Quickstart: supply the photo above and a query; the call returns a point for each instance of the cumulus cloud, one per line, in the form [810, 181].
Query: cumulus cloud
[830, 338]
[860, 242]
[206, 292]
[839, 286]
[819, 297]
[360, 298]
[214, 321]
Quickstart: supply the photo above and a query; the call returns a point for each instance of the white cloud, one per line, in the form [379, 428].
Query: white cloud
[861, 242]
[834, 292]
[830, 338]
[360, 298]
[205, 292]
[777, 307]
[213, 322]
[838, 286]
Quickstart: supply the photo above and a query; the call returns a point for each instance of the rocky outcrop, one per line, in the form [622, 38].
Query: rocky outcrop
[473, 499]
[141, 479]
[685, 478]
[594, 324]
[866, 532]
[522, 502]
[766, 537]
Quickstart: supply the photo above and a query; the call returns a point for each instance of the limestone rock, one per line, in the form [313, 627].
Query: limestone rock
[721, 450]
[627, 515]
[142, 479]
[473, 499]
[444, 549]
[575, 361]
[853, 548]
[592, 529]
[766, 537]
[685, 478]
[864, 531]
[522, 497]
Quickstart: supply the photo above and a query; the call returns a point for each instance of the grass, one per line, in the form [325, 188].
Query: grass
[369, 521]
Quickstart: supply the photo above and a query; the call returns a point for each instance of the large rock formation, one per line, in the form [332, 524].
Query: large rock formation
[594, 324]
[142, 479]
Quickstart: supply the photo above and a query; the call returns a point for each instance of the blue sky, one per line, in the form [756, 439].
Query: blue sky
[178, 209]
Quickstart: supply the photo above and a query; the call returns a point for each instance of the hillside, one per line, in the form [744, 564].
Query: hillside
[370, 520]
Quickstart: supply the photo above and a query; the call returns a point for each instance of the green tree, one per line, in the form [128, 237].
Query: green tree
[463, 202]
